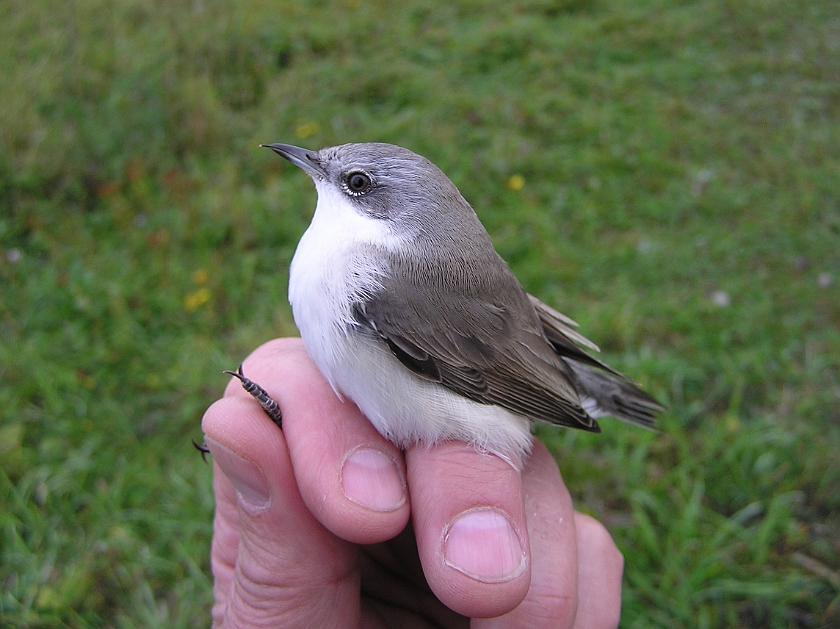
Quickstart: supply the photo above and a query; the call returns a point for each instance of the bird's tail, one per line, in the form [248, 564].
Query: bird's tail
[603, 393]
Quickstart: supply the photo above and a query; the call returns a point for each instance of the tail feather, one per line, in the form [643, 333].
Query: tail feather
[602, 389]
[603, 393]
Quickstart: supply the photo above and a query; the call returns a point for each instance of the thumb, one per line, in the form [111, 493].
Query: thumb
[273, 563]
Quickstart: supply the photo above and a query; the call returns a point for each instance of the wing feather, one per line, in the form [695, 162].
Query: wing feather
[492, 352]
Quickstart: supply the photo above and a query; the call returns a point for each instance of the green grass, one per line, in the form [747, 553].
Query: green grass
[670, 150]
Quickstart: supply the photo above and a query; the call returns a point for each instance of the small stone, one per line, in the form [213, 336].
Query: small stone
[721, 298]
[701, 180]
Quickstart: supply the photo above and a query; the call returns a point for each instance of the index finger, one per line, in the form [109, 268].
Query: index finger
[350, 477]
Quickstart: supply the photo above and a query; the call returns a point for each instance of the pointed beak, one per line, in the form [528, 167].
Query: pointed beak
[307, 160]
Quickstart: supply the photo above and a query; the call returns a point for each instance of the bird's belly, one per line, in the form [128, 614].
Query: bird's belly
[408, 409]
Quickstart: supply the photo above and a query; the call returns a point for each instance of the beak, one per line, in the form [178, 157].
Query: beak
[307, 160]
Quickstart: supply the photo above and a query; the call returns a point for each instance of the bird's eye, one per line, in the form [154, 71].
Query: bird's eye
[358, 182]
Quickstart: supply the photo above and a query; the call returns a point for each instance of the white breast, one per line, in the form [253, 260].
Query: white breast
[334, 267]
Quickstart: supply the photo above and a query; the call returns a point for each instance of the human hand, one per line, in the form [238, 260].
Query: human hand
[310, 527]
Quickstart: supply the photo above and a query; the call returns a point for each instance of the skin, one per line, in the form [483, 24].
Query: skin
[311, 522]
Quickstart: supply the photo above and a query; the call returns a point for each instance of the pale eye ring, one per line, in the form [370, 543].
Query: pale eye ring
[357, 182]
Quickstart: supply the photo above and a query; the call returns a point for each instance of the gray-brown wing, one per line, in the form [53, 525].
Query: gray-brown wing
[490, 352]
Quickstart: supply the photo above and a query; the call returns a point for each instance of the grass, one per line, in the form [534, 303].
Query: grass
[666, 172]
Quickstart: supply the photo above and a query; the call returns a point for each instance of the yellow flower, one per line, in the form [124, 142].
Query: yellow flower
[516, 182]
[196, 299]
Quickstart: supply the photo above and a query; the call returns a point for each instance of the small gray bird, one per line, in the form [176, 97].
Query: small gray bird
[408, 311]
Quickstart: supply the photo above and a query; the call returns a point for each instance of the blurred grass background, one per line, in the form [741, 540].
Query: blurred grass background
[667, 172]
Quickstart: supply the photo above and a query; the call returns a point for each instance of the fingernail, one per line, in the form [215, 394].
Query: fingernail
[372, 479]
[483, 545]
[246, 477]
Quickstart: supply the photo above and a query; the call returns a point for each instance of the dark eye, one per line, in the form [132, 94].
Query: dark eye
[358, 182]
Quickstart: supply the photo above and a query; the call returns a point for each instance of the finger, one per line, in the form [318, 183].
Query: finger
[600, 566]
[350, 477]
[552, 599]
[470, 527]
[274, 564]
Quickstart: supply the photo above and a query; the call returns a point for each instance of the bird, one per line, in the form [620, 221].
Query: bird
[409, 312]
